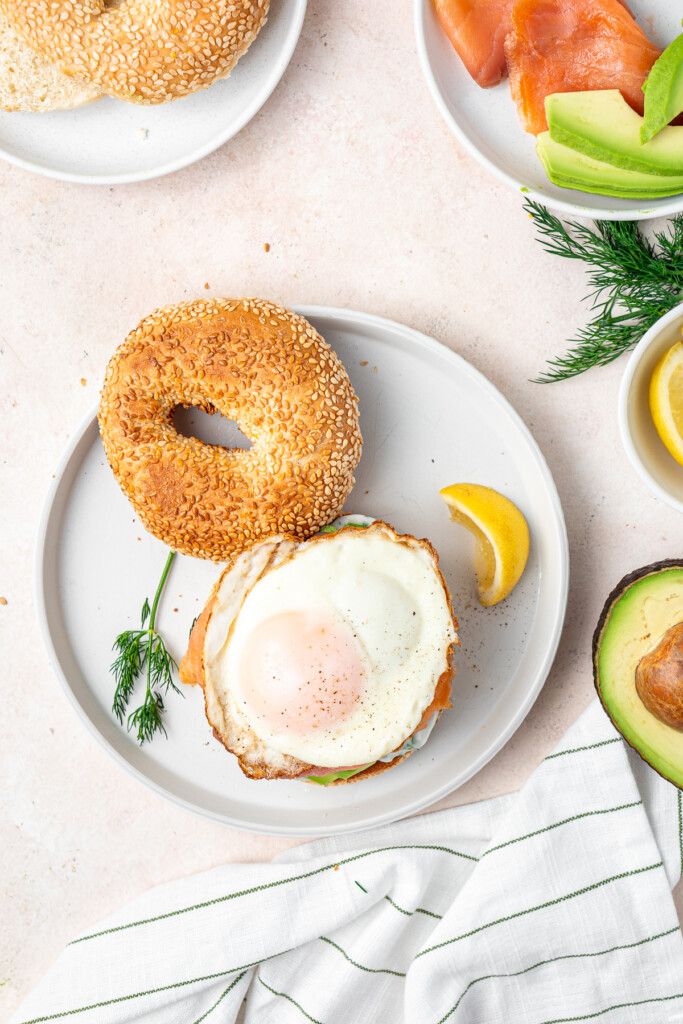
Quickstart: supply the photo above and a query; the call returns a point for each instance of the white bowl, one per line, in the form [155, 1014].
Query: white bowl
[485, 120]
[644, 447]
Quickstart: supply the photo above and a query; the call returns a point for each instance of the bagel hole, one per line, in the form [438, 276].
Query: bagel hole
[211, 428]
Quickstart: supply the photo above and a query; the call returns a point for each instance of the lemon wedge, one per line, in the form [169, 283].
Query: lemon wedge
[502, 537]
[666, 399]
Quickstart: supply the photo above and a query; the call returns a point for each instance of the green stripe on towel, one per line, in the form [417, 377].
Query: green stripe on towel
[221, 997]
[565, 821]
[409, 913]
[332, 866]
[554, 959]
[133, 995]
[541, 906]
[283, 995]
[617, 1006]
[591, 746]
[361, 967]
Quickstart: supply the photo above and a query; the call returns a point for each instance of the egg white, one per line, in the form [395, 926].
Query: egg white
[388, 592]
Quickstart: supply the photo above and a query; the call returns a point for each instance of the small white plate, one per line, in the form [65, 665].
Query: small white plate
[486, 122]
[110, 142]
[428, 419]
[644, 447]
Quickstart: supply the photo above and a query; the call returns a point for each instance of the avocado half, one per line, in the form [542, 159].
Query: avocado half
[639, 612]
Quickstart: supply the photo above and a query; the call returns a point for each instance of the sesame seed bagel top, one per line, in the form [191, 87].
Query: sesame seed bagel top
[140, 50]
[260, 365]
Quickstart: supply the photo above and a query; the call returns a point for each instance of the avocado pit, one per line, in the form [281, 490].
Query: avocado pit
[659, 678]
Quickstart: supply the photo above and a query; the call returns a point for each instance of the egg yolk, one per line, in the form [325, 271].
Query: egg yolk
[302, 670]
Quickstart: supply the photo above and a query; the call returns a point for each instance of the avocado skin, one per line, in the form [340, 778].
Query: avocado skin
[617, 593]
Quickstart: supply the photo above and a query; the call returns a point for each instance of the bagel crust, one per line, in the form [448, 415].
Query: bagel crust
[140, 50]
[265, 368]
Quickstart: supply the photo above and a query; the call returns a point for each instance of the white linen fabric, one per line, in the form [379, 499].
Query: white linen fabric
[550, 905]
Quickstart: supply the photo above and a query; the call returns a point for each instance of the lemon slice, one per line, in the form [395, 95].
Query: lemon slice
[666, 399]
[502, 537]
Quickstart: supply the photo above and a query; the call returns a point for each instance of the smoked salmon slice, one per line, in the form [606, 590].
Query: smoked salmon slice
[571, 46]
[477, 29]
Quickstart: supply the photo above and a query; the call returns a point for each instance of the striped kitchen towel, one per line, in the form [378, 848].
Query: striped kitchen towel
[551, 905]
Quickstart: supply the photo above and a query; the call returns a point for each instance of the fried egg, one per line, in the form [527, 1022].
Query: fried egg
[326, 652]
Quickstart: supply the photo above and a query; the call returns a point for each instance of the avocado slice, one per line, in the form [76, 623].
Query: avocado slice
[570, 169]
[663, 90]
[325, 780]
[601, 125]
[637, 615]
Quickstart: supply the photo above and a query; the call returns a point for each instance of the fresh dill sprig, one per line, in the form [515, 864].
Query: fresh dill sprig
[633, 281]
[140, 649]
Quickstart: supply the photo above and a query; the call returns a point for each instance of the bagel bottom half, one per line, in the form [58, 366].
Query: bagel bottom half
[329, 659]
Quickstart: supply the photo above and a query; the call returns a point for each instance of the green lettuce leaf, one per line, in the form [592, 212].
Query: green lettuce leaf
[324, 780]
[335, 529]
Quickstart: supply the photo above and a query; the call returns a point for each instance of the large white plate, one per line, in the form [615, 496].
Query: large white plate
[110, 142]
[428, 419]
[486, 123]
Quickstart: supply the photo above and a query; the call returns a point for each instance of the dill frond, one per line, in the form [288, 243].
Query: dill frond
[143, 651]
[632, 282]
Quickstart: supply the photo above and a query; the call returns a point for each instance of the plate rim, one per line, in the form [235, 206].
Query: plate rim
[551, 202]
[342, 317]
[193, 156]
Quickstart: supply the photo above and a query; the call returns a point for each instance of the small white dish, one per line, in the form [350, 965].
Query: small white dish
[110, 142]
[428, 419]
[485, 120]
[644, 447]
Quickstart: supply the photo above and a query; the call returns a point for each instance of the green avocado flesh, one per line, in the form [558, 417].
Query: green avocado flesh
[570, 169]
[335, 529]
[663, 91]
[601, 125]
[644, 606]
[324, 780]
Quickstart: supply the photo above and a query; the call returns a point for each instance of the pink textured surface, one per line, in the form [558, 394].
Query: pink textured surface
[366, 201]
